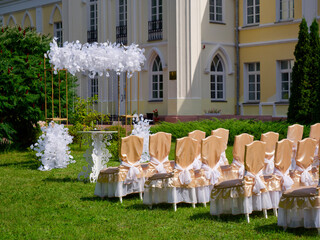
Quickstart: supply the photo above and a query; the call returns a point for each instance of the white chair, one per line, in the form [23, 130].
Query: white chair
[128, 177]
[246, 194]
[270, 138]
[224, 134]
[315, 134]
[197, 135]
[295, 133]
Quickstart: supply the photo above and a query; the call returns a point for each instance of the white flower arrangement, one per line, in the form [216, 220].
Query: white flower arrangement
[96, 58]
[52, 147]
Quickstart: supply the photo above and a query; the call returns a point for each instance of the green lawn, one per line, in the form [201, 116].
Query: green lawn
[54, 205]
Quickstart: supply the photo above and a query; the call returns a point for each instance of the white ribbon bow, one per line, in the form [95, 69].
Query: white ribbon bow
[287, 180]
[159, 165]
[306, 177]
[197, 162]
[212, 173]
[258, 185]
[133, 171]
[185, 176]
[270, 165]
[241, 167]
[223, 158]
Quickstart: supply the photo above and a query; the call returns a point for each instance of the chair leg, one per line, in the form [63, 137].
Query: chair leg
[205, 204]
[140, 194]
[265, 213]
[248, 218]
[275, 212]
[193, 205]
[175, 207]
[120, 198]
[150, 206]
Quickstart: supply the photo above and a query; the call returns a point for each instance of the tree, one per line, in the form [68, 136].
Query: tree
[300, 98]
[22, 84]
[314, 74]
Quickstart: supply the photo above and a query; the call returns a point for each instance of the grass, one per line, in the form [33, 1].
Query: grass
[55, 205]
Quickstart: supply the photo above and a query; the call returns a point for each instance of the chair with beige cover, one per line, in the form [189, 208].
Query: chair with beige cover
[210, 173]
[179, 186]
[128, 177]
[198, 135]
[302, 175]
[300, 207]
[159, 149]
[270, 138]
[236, 169]
[224, 134]
[315, 134]
[246, 194]
[280, 181]
[295, 133]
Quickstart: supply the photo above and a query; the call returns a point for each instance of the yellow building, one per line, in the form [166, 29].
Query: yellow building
[202, 55]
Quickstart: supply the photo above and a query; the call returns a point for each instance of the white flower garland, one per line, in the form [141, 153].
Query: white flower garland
[52, 147]
[96, 58]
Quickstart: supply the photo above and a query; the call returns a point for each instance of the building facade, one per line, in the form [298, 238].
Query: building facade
[232, 56]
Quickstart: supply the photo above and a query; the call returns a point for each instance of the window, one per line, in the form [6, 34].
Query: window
[57, 29]
[286, 9]
[93, 21]
[155, 25]
[121, 29]
[94, 87]
[215, 10]
[217, 79]
[253, 11]
[253, 70]
[157, 80]
[285, 78]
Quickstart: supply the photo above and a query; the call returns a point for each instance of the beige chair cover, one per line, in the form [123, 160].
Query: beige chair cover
[270, 138]
[224, 134]
[237, 167]
[315, 134]
[159, 149]
[302, 175]
[295, 133]
[198, 135]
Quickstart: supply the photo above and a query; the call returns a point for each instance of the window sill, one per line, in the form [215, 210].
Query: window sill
[289, 20]
[217, 22]
[214, 100]
[156, 100]
[251, 25]
[251, 103]
[282, 103]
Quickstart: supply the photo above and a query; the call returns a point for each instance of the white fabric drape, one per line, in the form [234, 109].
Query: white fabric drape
[241, 167]
[270, 166]
[197, 162]
[287, 180]
[293, 159]
[212, 173]
[258, 185]
[223, 159]
[306, 177]
[184, 176]
[132, 173]
[159, 165]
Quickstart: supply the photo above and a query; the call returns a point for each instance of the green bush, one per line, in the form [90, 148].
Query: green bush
[114, 142]
[236, 127]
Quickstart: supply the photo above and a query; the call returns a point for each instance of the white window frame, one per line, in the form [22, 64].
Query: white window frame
[213, 6]
[158, 74]
[122, 22]
[256, 83]
[280, 71]
[56, 31]
[289, 15]
[215, 74]
[93, 87]
[158, 16]
[93, 26]
[245, 11]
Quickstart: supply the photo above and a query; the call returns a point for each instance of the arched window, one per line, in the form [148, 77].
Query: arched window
[157, 80]
[217, 79]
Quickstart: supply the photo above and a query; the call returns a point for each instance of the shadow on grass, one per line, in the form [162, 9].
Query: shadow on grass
[223, 218]
[33, 165]
[65, 179]
[160, 206]
[298, 232]
[99, 199]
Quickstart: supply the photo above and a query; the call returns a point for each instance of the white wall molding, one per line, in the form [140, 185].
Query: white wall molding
[253, 44]
[27, 14]
[13, 19]
[150, 58]
[39, 20]
[53, 11]
[225, 57]
[20, 5]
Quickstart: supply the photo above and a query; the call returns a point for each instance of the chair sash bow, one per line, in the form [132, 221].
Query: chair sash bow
[197, 162]
[223, 158]
[258, 185]
[241, 167]
[133, 171]
[159, 165]
[306, 177]
[287, 180]
[212, 173]
[185, 175]
[270, 165]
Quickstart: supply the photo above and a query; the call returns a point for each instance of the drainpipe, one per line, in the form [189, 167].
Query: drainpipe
[237, 58]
